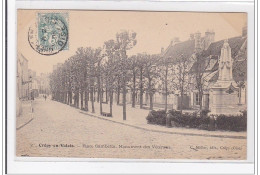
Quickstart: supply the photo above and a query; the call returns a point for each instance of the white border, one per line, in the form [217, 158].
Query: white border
[227, 167]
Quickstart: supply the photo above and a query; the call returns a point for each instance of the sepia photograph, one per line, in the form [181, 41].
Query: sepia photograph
[131, 84]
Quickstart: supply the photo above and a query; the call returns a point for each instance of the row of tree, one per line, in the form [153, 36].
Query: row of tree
[110, 70]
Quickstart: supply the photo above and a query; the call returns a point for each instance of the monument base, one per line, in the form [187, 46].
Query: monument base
[224, 102]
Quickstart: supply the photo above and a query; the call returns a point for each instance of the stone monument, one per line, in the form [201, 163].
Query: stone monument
[224, 93]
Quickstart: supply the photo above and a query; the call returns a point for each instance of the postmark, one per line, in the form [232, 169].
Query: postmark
[50, 33]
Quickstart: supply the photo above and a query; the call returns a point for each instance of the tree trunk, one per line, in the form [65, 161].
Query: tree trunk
[86, 99]
[166, 88]
[124, 98]
[118, 94]
[111, 102]
[239, 95]
[70, 97]
[141, 88]
[100, 89]
[94, 93]
[133, 93]
[181, 107]
[200, 99]
[150, 94]
[151, 101]
[74, 99]
[81, 100]
[67, 98]
[64, 97]
[92, 99]
[106, 96]
[78, 99]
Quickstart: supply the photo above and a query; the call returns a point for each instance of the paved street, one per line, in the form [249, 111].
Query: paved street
[59, 130]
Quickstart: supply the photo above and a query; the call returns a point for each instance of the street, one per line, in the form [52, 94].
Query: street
[59, 130]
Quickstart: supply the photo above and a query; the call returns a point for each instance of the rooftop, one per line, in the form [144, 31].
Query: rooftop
[185, 49]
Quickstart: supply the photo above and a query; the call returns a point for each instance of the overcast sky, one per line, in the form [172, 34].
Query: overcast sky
[154, 31]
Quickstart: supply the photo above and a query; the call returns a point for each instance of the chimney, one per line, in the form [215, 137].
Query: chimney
[244, 31]
[191, 36]
[162, 50]
[197, 37]
[209, 38]
[212, 34]
[175, 40]
[207, 33]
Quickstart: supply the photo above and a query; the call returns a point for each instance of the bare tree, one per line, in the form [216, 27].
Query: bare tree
[111, 71]
[141, 62]
[181, 73]
[151, 74]
[165, 75]
[133, 69]
[200, 66]
[125, 41]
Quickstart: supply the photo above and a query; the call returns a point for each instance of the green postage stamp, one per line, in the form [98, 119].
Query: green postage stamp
[51, 33]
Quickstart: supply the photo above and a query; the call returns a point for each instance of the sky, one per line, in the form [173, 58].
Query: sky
[154, 31]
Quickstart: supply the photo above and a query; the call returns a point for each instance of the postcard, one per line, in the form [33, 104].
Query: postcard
[131, 84]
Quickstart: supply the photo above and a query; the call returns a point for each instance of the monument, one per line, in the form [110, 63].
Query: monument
[224, 93]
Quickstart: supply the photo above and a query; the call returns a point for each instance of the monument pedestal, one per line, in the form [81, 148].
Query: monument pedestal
[224, 102]
[224, 97]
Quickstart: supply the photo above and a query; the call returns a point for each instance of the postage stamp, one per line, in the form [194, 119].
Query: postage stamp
[50, 34]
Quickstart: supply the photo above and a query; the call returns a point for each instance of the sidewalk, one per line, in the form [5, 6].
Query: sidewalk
[26, 115]
[137, 118]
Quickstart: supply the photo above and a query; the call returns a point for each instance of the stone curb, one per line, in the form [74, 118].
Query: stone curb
[167, 132]
[25, 123]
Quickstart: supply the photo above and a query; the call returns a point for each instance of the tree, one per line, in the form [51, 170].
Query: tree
[151, 74]
[94, 56]
[100, 69]
[68, 96]
[76, 78]
[69, 80]
[240, 70]
[200, 66]
[133, 65]
[82, 69]
[141, 63]
[82, 73]
[111, 72]
[125, 41]
[166, 77]
[181, 73]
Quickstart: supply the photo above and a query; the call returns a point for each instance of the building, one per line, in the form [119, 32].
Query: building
[34, 89]
[185, 50]
[43, 83]
[22, 82]
[210, 52]
[22, 77]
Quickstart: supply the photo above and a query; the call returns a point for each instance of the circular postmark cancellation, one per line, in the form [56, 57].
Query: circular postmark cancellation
[49, 35]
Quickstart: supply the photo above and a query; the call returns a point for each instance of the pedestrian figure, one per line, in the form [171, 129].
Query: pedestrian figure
[45, 97]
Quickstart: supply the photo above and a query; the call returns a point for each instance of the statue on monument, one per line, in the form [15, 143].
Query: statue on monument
[224, 99]
[225, 78]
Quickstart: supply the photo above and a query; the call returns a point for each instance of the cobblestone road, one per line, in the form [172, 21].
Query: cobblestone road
[59, 130]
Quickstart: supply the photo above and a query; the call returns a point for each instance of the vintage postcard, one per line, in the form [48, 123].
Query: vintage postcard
[131, 85]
